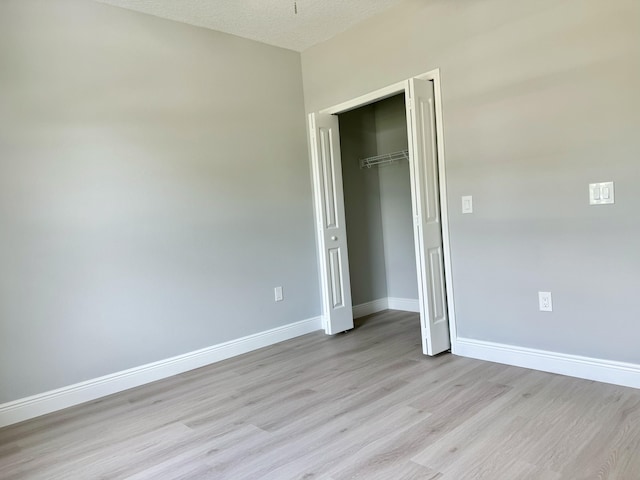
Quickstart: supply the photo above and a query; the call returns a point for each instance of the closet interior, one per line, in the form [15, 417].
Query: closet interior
[377, 200]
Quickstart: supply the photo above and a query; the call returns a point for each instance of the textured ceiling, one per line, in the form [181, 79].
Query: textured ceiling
[268, 21]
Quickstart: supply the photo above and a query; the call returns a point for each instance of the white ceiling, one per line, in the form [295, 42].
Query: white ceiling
[269, 21]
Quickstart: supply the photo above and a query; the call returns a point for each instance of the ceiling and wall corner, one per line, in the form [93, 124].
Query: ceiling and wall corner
[274, 22]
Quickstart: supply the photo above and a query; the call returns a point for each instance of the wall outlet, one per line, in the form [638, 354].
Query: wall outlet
[278, 294]
[544, 299]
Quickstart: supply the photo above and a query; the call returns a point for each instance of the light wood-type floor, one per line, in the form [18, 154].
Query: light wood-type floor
[365, 405]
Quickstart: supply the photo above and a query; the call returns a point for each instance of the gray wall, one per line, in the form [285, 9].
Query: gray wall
[154, 188]
[540, 99]
[378, 203]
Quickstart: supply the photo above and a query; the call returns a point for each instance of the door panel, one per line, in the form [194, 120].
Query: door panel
[331, 230]
[437, 305]
[335, 275]
[327, 160]
[428, 228]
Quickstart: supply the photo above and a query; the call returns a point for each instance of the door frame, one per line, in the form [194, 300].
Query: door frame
[381, 94]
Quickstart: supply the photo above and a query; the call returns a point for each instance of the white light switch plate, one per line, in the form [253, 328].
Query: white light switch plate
[467, 204]
[601, 193]
[278, 294]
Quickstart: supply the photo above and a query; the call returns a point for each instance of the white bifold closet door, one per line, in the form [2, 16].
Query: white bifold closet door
[425, 194]
[330, 218]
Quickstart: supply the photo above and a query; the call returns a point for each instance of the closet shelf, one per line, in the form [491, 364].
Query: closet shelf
[384, 159]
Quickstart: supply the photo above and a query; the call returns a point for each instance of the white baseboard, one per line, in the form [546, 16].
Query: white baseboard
[393, 303]
[369, 308]
[618, 373]
[36, 405]
[404, 304]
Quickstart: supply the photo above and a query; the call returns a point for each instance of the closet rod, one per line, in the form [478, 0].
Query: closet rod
[384, 159]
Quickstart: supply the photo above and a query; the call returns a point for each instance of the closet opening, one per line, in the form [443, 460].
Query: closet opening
[376, 179]
[392, 240]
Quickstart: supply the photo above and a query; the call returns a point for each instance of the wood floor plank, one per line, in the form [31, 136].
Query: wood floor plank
[476, 437]
[179, 461]
[332, 441]
[366, 404]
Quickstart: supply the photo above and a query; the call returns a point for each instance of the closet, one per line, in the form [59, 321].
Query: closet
[377, 199]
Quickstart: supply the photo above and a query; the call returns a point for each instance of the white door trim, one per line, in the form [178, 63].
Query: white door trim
[367, 98]
[390, 90]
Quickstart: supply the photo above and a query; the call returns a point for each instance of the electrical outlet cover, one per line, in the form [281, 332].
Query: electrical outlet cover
[545, 302]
